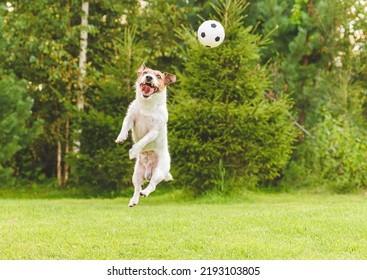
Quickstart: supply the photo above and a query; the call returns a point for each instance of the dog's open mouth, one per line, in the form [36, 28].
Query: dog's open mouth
[148, 89]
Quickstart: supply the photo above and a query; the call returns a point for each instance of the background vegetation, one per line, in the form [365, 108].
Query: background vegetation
[232, 111]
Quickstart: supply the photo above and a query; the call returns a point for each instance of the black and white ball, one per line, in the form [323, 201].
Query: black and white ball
[211, 33]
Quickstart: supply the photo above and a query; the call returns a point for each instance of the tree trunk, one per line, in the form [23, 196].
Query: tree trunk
[67, 136]
[82, 67]
[59, 157]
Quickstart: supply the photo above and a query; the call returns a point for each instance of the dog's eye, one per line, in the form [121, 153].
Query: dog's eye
[145, 72]
[159, 77]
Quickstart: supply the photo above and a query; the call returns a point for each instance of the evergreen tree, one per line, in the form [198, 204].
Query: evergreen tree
[222, 127]
[16, 131]
[317, 59]
[302, 34]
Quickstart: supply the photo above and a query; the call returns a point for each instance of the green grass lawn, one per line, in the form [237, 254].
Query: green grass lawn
[256, 226]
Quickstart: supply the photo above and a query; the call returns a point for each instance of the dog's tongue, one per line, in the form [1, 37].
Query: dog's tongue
[147, 89]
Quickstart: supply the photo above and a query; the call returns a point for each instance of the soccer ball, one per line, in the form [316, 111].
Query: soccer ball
[211, 33]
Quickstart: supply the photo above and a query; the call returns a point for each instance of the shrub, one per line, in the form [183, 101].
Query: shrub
[221, 125]
[335, 159]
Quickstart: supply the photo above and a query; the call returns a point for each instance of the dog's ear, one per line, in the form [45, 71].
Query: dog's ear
[169, 78]
[141, 69]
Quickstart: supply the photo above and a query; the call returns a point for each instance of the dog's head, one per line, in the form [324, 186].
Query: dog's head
[151, 82]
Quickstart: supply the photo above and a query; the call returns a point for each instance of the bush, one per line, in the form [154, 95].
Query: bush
[101, 165]
[221, 125]
[335, 160]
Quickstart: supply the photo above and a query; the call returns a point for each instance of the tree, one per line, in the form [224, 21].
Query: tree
[16, 129]
[317, 59]
[44, 51]
[221, 124]
[335, 158]
[82, 67]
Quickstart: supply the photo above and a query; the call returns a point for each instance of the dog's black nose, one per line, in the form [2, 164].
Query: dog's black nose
[149, 78]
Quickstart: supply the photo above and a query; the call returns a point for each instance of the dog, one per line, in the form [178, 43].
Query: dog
[147, 118]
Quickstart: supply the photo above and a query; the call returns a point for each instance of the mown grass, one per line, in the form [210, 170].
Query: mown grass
[254, 226]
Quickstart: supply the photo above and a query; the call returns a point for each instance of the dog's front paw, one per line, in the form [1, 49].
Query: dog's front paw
[121, 138]
[134, 152]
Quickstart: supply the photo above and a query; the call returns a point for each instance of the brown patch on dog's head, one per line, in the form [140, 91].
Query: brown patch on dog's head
[153, 81]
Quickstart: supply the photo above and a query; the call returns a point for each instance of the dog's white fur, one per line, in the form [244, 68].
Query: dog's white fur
[147, 117]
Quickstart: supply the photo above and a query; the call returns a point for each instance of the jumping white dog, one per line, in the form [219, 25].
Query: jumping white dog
[147, 117]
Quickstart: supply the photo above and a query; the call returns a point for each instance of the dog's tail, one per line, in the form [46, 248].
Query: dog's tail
[168, 177]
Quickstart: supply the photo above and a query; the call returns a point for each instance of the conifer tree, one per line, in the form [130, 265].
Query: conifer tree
[317, 58]
[222, 126]
[16, 132]
[16, 129]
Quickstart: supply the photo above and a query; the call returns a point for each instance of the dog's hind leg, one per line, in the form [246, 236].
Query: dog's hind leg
[138, 179]
[168, 177]
[157, 177]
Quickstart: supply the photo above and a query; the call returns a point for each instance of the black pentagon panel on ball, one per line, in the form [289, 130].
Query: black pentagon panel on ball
[213, 25]
[202, 34]
[217, 39]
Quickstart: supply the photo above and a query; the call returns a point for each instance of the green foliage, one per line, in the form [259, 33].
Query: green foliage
[41, 46]
[297, 10]
[100, 165]
[301, 50]
[314, 61]
[17, 131]
[219, 115]
[339, 157]
[335, 159]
